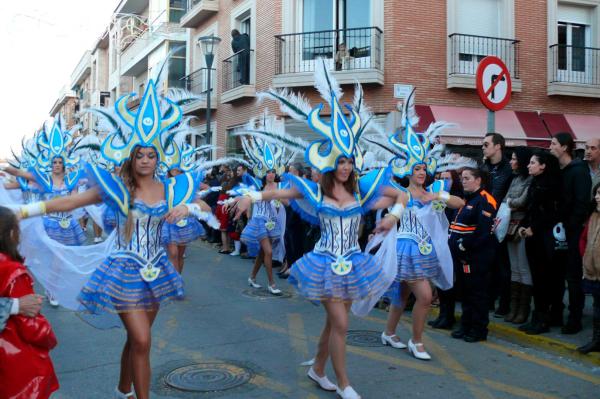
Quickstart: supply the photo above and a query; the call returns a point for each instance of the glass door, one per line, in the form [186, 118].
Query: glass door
[574, 58]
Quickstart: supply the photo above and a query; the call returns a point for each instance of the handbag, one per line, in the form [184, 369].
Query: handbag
[502, 222]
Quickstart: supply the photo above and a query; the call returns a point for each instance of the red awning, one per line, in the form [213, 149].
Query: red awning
[518, 128]
[585, 127]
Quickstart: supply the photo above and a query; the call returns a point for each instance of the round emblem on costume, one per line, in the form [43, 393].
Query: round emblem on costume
[425, 248]
[118, 154]
[149, 273]
[147, 121]
[438, 206]
[64, 223]
[270, 225]
[182, 223]
[343, 132]
[341, 266]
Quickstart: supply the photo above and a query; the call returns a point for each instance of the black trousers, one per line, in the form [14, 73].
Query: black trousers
[475, 295]
[499, 285]
[547, 275]
[574, 274]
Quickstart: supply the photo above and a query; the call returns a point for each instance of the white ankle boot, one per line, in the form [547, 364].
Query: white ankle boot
[238, 246]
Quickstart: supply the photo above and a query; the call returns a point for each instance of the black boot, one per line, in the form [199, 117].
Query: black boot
[524, 305]
[515, 293]
[446, 319]
[527, 326]
[594, 344]
[540, 325]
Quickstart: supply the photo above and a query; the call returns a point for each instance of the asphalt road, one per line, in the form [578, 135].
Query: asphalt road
[224, 337]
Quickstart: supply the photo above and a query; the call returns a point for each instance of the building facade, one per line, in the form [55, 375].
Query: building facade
[551, 48]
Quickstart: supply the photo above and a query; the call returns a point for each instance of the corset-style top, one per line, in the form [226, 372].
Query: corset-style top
[144, 244]
[266, 209]
[339, 233]
[58, 192]
[409, 225]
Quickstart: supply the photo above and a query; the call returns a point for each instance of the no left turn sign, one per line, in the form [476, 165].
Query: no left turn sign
[493, 83]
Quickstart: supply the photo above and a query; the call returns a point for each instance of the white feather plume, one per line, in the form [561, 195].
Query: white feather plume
[325, 82]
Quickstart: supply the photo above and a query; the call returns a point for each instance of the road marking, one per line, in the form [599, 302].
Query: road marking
[544, 363]
[516, 391]
[299, 343]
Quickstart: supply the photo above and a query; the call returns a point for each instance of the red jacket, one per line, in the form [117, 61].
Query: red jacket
[26, 370]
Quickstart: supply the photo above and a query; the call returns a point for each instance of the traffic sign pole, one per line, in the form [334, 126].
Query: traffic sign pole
[491, 121]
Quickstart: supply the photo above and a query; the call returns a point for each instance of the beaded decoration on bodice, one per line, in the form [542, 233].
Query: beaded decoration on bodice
[61, 216]
[339, 230]
[266, 209]
[145, 237]
[411, 228]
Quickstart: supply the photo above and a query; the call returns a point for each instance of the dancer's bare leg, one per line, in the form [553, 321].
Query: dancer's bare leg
[337, 314]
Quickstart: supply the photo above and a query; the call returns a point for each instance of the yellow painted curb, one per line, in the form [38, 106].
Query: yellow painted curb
[552, 345]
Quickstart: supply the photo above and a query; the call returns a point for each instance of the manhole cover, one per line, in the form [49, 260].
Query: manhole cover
[363, 338]
[264, 294]
[208, 377]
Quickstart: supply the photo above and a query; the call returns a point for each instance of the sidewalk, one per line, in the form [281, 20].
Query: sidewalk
[553, 341]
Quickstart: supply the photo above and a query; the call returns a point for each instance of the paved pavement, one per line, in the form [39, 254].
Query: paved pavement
[259, 343]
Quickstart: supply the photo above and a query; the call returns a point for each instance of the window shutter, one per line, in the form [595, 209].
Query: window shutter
[574, 14]
[479, 17]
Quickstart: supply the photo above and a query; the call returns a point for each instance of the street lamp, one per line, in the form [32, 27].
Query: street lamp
[209, 45]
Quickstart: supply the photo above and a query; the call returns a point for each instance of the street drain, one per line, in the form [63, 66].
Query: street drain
[208, 377]
[264, 294]
[363, 338]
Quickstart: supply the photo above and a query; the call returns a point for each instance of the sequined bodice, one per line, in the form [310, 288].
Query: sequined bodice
[266, 209]
[410, 227]
[339, 230]
[145, 237]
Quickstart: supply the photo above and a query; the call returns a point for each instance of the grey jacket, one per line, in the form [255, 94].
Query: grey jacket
[516, 197]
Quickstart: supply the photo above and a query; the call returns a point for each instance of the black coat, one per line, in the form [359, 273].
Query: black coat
[575, 201]
[543, 198]
[501, 175]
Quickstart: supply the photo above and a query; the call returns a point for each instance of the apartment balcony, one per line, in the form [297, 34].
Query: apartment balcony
[198, 11]
[82, 70]
[355, 55]
[465, 52]
[134, 56]
[197, 83]
[574, 71]
[238, 81]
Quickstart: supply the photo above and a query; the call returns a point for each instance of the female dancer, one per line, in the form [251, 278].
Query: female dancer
[266, 227]
[422, 251]
[137, 276]
[336, 272]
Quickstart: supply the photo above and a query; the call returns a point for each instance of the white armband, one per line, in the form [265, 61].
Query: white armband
[444, 196]
[397, 211]
[14, 308]
[33, 209]
[255, 196]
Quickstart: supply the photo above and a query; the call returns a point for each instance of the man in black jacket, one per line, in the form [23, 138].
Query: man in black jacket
[500, 173]
[240, 43]
[576, 187]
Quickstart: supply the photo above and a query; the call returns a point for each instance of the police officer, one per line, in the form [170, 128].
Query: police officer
[473, 246]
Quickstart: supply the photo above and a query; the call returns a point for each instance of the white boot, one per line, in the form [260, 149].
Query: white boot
[238, 246]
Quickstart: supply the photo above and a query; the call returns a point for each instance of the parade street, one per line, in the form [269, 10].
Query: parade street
[224, 342]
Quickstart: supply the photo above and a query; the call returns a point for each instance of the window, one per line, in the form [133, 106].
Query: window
[233, 143]
[177, 65]
[177, 8]
[573, 37]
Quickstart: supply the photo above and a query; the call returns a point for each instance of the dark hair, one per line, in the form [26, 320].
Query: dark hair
[565, 138]
[64, 167]
[264, 179]
[593, 204]
[550, 161]
[479, 174]
[497, 139]
[235, 33]
[9, 234]
[523, 155]
[328, 179]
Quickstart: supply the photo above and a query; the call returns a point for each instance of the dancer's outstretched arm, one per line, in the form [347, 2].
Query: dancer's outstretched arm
[391, 198]
[242, 204]
[19, 173]
[60, 204]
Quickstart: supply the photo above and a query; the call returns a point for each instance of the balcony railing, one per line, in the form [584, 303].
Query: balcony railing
[467, 50]
[572, 64]
[236, 70]
[197, 81]
[346, 49]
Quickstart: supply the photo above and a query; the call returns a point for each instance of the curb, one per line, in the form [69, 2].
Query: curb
[552, 345]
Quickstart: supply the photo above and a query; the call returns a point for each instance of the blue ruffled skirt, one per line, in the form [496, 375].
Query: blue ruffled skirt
[70, 235]
[312, 276]
[182, 233]
[117, 286]
[412, 266]
[255, 231]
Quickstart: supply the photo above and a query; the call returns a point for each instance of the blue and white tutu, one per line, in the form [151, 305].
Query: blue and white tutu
[65, 230]
[117, 286]
[256, 230]
[312, 276]
[183, 232]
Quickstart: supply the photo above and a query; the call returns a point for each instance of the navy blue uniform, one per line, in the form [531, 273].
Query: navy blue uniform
[473, 245]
